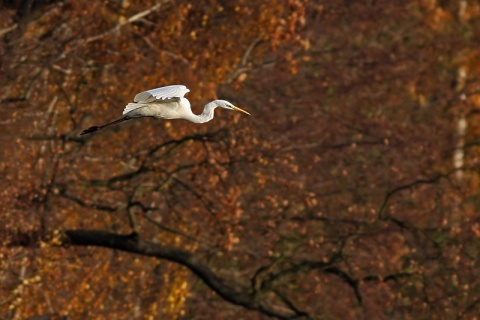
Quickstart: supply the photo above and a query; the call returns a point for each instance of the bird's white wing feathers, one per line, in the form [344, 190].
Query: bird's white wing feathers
[158, 94]
[163, 93]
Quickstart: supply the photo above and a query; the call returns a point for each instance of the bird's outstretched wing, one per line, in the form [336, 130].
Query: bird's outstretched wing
[163, 93]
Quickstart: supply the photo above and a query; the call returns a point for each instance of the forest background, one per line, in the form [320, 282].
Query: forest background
[351, 192]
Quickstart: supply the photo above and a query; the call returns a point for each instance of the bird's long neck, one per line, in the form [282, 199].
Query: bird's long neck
[205, 116]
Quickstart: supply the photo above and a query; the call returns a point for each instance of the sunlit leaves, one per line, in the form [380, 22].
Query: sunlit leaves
[338, 186]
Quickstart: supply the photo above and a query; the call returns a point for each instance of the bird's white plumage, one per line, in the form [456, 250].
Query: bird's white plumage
[163, 93]
[166, 103]
[158, 94]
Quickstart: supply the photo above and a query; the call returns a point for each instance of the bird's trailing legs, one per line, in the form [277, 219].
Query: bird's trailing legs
[96, 128]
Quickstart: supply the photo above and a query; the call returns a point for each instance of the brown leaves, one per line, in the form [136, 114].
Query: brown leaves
[351, 115]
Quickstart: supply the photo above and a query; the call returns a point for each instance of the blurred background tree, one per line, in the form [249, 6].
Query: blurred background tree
[351, 191]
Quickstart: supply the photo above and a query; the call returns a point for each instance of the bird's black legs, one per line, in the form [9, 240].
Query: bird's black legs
[96, 128]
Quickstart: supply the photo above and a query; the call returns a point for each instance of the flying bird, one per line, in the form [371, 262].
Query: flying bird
[166, 103]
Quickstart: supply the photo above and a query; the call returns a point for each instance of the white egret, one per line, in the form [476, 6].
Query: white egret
[166, 103]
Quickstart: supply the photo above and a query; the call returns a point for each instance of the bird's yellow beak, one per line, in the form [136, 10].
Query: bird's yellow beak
[238, 109]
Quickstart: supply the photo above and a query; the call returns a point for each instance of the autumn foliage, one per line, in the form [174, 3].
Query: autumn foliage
[351, 192]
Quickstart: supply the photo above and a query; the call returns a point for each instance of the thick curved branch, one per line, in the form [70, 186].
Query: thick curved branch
[133, 244]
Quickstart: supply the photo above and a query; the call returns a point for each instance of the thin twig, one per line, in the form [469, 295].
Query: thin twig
[6, 30]
[133, 18]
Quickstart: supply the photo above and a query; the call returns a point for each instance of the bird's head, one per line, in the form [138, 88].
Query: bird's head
[227, 105]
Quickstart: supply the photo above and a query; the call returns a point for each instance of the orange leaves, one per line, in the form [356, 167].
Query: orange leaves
[476, 229]
[283, 21]
[177, 295]
[349, 102]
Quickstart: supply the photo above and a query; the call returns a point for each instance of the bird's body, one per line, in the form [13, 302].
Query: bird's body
[173, 108]
[170, 108]
[166, 103]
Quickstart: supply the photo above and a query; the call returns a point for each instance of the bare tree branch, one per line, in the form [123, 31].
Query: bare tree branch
[413, 184]
[242, 66]
[226, 289]
[6, 30]
[133, 18]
